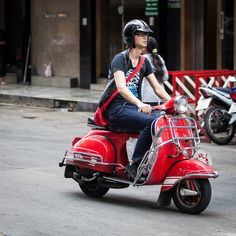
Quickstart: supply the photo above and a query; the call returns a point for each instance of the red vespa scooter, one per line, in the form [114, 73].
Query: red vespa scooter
[97, 161]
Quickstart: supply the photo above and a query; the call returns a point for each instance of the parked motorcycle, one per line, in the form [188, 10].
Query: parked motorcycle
[219, 110]
[98, 160]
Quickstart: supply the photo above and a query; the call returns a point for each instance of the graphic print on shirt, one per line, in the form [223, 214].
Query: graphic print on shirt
[133, 84]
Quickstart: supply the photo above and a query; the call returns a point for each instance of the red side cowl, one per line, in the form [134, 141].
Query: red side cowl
[95, 152]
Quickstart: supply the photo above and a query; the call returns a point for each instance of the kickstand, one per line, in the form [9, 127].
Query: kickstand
[164, 199]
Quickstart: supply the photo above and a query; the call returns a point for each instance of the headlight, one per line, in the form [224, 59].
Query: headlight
[181, 104]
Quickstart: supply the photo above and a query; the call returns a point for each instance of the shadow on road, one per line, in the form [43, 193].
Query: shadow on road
[137, 204]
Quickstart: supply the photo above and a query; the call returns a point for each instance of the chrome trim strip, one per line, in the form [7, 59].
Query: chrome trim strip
[213, 175]
[87, 154]
[172, 180]
[92, 161]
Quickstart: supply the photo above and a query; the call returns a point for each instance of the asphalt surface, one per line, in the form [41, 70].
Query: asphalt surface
[35, 198]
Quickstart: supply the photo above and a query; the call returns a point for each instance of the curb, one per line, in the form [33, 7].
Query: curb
[48, 102]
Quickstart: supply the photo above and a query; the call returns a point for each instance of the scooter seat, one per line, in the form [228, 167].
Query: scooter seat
[92, 124]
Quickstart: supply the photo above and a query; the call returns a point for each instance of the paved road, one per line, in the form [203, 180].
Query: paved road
[36, 200]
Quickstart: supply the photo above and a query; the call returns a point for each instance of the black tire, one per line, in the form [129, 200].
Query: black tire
[93, 189]
[217, 126]
[192, 204]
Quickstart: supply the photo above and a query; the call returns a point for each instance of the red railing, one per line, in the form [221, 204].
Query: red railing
[196, 75]
[187, 83]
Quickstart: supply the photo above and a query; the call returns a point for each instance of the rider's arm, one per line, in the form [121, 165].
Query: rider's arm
[158, 89]
[127, 94]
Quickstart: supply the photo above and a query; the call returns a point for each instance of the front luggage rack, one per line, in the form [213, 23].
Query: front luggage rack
[178, 132]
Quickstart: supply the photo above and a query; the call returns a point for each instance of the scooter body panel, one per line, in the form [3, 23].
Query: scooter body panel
[102, 151]
[98, 161]
[169, 143]
[162, 165]
[98, 151]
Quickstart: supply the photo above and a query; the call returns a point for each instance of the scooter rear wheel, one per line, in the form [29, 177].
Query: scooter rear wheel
[93, 189]
[192, 204]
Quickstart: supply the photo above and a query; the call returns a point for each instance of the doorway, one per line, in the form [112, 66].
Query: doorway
[17, 27]
[227, 34]
[111, 15]
[87, 43]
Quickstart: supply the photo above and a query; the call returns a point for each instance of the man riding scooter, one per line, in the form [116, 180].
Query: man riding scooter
[126, 111]
[167, 152]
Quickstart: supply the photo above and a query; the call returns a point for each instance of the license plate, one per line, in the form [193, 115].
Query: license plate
[232, 108]
[203, 104]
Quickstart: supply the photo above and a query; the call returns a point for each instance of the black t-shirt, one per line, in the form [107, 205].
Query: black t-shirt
[122, 62]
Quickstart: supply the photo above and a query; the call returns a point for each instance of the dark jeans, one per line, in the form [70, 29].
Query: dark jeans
[126, 116]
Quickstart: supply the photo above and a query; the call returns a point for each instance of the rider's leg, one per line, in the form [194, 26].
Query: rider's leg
[130, 119]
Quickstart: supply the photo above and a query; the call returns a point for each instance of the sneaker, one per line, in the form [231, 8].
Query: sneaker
[131, 170]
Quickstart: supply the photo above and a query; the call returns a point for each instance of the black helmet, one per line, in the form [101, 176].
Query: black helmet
[131, 28]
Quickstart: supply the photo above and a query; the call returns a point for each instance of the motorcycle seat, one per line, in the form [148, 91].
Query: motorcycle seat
[92, 124]
[226, 90]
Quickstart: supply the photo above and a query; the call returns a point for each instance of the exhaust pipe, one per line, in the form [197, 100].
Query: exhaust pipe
[81, 179]
[105, 182]
[187, 192]
[77, 177]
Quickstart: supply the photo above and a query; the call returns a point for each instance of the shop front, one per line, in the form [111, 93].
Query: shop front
[79, 38]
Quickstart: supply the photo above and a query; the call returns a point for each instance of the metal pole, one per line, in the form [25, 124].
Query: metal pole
[27, 59]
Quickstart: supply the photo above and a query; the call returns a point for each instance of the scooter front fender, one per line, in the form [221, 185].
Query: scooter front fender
[187, 169]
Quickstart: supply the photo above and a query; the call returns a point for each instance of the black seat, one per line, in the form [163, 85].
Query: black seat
[92, 124]
[226, 90]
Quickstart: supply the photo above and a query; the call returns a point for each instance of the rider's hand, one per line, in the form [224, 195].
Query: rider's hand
[145, 108]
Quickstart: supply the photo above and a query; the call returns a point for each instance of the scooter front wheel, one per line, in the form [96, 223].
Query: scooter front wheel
[192, 196]
[93, 189]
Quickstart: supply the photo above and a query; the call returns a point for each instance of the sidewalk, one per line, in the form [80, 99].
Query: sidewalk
[72, 98]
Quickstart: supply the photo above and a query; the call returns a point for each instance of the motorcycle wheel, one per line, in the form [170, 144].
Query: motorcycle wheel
[192, 204]
[93, 189]
[217, 127]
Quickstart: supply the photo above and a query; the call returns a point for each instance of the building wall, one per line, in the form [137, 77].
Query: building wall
[55, 27]
[234, 34]
[55, 37]
[2, 15]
